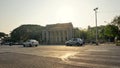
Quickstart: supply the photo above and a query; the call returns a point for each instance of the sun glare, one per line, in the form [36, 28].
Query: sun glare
[65, 14]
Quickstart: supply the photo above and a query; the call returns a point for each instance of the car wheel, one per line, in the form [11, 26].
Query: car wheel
[78, 44]
[67, 44]
[36, 45]
[23, 45]
[81, 44]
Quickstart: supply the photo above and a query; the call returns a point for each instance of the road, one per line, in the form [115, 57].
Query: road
[51, 56]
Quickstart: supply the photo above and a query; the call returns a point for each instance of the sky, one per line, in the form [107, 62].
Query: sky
[14, 13]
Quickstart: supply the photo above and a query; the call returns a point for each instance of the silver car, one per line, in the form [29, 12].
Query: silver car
[74, 41]
[31, 43]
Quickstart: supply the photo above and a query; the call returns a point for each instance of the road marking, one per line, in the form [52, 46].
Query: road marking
[67, 55]
[101, 50]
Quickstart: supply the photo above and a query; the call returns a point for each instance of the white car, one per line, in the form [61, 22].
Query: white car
[31, 43]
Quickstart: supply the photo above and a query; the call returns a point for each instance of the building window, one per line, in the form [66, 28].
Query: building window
[61, 39]
[57, 39]
[65, 38]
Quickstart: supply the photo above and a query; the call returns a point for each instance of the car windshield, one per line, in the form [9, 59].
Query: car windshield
[74, 39]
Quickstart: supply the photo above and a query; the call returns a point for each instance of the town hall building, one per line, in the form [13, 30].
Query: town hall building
[57, 33]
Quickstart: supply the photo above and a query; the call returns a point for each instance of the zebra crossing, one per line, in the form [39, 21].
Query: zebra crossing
[96, 58]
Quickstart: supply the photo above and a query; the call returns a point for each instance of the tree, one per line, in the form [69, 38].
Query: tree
[91, 34]
[83, 34]
[116, 21]
[111, 31]
[80, 34]
[105, 33]
[2, 34]
[25, 32]
[76, 33]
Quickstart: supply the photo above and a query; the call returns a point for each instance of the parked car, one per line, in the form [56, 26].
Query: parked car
[74, 41]
[7, 43]
[31, 43]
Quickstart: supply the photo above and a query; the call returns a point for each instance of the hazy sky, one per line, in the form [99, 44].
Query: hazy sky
[14, 13]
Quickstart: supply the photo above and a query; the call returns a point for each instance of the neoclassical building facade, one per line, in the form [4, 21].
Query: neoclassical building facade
[57, 33]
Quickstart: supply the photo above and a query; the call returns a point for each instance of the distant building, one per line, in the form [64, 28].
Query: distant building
[57, 33]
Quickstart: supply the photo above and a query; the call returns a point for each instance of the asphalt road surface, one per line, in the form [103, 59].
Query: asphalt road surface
[49, 56]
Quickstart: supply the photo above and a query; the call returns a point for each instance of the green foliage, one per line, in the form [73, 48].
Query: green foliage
[76, 32]
[91, 33]
[105, 33]
[111, 31]
[83, 34]
[116, 21]
[80, 33]
[25, 32]
[101, 32]
[4, 37]
[2, 34]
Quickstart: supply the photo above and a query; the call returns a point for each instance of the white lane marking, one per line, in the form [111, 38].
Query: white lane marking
[67, 55]
[101, 50]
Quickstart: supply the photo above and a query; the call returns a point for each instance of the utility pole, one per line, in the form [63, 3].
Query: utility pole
[96, 25]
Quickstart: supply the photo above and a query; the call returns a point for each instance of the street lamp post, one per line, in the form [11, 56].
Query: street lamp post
[96, 25]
